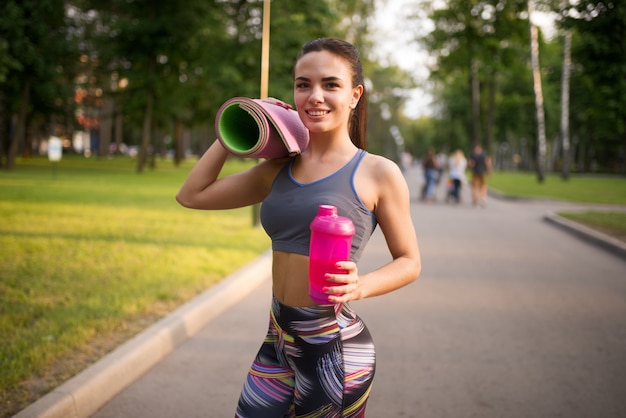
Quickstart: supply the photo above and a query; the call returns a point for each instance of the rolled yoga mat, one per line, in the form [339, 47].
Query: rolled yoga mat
[257, 129]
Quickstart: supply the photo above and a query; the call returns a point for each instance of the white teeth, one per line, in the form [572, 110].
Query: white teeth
[317, 112]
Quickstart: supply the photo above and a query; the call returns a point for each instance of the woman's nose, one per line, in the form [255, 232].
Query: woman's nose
[317, 95]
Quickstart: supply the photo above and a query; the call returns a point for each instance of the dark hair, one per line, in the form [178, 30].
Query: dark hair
[357, 126]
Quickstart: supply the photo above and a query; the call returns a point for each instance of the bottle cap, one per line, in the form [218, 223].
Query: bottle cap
[327, 221]
[326, 210]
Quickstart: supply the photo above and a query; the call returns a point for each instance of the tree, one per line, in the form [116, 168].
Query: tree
[478, 41]
[540, 113]
[154, 45]
[35, 69]
[163, 68]
[598, 102]
[565, 138]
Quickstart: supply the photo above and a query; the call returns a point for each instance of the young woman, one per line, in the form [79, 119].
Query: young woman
[317, 360]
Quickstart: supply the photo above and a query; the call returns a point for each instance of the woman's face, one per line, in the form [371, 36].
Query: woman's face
[323, 91]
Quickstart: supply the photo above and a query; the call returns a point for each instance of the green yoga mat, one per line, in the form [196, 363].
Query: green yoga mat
[260, 129]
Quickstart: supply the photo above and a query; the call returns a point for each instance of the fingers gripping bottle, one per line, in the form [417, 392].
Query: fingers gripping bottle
[331, 241]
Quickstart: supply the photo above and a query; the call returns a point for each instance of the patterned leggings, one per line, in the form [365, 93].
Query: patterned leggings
[315, 362]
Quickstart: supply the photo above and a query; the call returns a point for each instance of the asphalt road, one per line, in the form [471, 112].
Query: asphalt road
[511, 317]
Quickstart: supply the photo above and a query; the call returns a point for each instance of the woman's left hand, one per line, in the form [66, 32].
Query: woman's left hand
[347, 284]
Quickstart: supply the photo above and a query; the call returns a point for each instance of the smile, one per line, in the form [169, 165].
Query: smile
[317, 112]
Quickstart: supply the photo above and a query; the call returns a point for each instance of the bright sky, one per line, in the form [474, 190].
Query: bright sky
[397, 46]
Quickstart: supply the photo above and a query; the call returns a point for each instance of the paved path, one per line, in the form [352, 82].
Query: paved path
[511, 317]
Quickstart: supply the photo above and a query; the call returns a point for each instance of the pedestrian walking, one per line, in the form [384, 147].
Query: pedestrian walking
[442, 159]
[480, 164]
[457, 164]
[430, 167]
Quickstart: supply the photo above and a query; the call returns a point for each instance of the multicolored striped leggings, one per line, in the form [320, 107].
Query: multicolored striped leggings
[315, 362]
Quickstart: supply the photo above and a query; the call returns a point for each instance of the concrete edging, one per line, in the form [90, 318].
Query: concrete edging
[88, 391]
[594, 237]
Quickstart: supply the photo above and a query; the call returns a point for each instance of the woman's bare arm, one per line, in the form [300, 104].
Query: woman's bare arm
[204, 189]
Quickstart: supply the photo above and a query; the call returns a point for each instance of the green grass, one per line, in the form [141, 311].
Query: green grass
[93, 252]
[612, 223]
[579, 188]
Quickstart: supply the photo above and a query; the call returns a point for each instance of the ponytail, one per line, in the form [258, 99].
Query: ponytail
[358, 123]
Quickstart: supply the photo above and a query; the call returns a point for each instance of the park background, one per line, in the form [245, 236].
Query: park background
[94, 247]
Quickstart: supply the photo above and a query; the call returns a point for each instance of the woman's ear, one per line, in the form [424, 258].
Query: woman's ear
[357, 92]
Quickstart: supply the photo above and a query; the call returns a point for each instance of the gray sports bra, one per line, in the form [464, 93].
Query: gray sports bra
[287, 212]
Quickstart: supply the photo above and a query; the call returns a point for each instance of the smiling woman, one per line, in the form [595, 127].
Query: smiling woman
[330, 362]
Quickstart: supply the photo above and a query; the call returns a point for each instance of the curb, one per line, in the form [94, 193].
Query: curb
[599, 239]
[88, 391]
[583, 232]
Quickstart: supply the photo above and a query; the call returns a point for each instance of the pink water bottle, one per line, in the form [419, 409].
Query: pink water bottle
[331, 241]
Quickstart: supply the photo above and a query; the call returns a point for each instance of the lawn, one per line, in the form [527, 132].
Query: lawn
[608, 190]
[579, 188]
[610, 223]
[92, 253]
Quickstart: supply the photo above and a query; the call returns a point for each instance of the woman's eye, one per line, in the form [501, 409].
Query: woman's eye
[301, 85]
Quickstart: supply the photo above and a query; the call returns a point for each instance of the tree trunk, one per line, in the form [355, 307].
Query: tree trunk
[145, 134]
[541, 124]
[565, 142]
[4, 130]
[119, 131]
[475, 98]
[491, 114]
[106, 127]
[178, 141]
[20, 128]
[157, 144]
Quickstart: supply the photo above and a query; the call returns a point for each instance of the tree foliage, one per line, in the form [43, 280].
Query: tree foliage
[483, 85]
[151, 75]
[37, 64]
[598, 99]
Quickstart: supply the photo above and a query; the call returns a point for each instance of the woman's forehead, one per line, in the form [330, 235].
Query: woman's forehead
[321, 64]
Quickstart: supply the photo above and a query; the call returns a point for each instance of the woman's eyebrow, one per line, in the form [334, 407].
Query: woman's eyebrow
[331, 78]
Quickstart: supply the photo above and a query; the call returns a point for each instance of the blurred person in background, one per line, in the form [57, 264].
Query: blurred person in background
[430, 165]
[480, 164]
[457, 164]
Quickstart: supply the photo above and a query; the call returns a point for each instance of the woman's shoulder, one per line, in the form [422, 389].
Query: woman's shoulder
[380, 167]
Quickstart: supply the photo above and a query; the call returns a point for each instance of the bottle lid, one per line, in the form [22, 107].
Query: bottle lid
[327, 221]
[326, 210]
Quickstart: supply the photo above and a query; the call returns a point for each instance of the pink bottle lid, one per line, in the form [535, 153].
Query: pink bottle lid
[327, 221]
